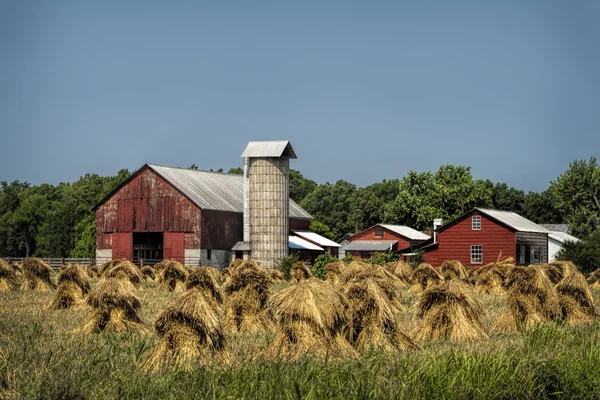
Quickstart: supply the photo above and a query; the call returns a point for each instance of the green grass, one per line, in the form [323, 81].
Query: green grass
[41, 359]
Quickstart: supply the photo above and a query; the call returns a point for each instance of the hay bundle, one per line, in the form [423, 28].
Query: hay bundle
[594, 279]
[423, 278]
[226, 274]
[276, 276]
[67, 296]
[245, 304]
[449, 311]
[310, 320]
[190, 333]
[214, 272]
[299, 272]
[531, 299]
[76, 274]
[247, 265]
[554, 272]
[8, 277]
[172, 276]
[36, 274]
[204, 281]
[148, 273]
[490, 278]
[128, 272]
[95, 272]
[333, 272]
[576, 301]
[454, 270]
[400, 269]
[106, 267]
[367, 270]
[114, 307]
[372, 316]
[17, 267]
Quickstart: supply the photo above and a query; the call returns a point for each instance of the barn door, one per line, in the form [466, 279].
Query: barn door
[122, 245]
[174, 246]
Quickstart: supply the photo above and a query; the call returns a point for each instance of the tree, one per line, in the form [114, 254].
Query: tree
[321, 229]
[318, 269]
[585, 253]
[369, 207]
[236, 171]
[85, 237]
[193, 166]
[506, 197]
[577, 192]
[300, 187]
[541, 208]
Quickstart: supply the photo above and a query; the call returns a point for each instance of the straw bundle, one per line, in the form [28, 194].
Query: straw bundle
[400, 269]
[214, 272]
[114, 307]
[576, 301]
[594, 279]
[128, 272]
[190, 333]
[17, 267]
[300, 272]
[423, 278]
[36, 274]
[8, 277]
[372, 316]
[333, 272]
[246, 295]
[531, 299]
[148, 273]
[248, 264]
[226, 274]
[76, 274]
[106, 267]
[172, 276]
[449, 311]
[454, 270]
[95, 272]
[204, 281]
[276, 275]
[365, 270]
[490, 278]
[310, 317]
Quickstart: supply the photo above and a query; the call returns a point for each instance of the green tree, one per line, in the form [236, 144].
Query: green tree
[577, 192]
[300, 187]
[236, 171]
[321, 229]
[85, 237]
[585, 253]
[369, 207]
[318, 269]
[541, 208]
[506, 197]
[193, 166]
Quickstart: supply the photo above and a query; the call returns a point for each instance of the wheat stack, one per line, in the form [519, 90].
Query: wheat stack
[299, 272]
[449, 311]
[400, 269]
[423, 278]
[576, 301]
[531, 299]
[310, 317]
[203, 280]
[190, 334]
[128, 272]
[106, 267]
[454, 270]
[276, 276]
[171, 276]
[37, 275]
[73, 285]
[148, 273]
[594, 279]
[114, 307]
[333, 272]
[8, 277]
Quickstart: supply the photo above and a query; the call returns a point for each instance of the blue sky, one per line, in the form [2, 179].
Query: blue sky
[364, 90]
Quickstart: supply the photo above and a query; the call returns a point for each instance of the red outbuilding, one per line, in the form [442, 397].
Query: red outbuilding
[383, 238]
[480, 236]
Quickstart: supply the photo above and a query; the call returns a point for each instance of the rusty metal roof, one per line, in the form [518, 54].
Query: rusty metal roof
[214, 190]
[273, 148]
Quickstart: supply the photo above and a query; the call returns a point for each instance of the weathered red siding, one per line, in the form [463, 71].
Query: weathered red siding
[369, 234]
[299, 224]
[174, 246]
[122, 245]
[221, 229]
[454, 242]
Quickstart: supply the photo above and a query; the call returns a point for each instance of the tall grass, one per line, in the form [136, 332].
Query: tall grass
[41, 359]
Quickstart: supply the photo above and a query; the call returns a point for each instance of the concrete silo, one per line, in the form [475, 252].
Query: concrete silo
[266, 200]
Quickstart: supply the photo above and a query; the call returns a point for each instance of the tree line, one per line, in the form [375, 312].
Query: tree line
[58, 221]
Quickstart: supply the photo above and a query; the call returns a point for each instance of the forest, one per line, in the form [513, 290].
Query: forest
[58, 220]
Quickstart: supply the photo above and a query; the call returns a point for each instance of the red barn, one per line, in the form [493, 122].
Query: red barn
[383, 238]
[189, 215]
[479, 236]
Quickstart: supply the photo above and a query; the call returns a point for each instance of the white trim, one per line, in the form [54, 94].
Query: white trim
[476, 223]
[481, 254]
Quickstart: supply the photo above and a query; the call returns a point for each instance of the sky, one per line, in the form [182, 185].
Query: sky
[364, 91]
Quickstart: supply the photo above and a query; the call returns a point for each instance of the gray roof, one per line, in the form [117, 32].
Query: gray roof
[214, 190]
[513, 220]
[562, 237]
[297, 243]
[316, 238]
[241, 246]
[274, 148]
[369, 245]
[406, 231]
[557, 227]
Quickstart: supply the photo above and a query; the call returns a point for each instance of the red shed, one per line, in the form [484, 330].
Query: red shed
[479, 236]
[164, 212]
[383, 238]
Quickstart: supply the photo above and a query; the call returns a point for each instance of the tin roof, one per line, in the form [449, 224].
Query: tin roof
[273, 148]
[406, 231]
[214, 190]
[370, 245]
[241, 246]
[316, 238]
[557, 227]
[513, 220]
[562, 237]
[296, 242]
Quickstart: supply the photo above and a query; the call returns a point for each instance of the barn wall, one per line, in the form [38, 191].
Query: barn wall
[454, 243]
[221, 229]
[298, 224]
[530, 239]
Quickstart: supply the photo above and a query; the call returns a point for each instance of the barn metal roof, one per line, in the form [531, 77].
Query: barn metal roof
[406, 231]
[214, 190]
[296, 242]
[562, 237]
[273, 148]
[316, 238]
[241, 246]
[513, 220]
[370, 245]
[557, 227]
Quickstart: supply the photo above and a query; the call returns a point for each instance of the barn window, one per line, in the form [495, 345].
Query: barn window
[476, 254]
[378, 232]
[476, 223]
[209, 254]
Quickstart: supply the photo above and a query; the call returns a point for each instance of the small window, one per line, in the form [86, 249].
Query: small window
[535, 255]
[476, 254]
[365, 255]
[378, 232]
[476, 223]
[209, 254]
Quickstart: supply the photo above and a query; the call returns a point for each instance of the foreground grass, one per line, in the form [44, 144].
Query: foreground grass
[41, 359]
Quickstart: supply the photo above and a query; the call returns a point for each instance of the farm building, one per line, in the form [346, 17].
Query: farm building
[383, 238]
[204, 218]
[479, 236]
[556, 241]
